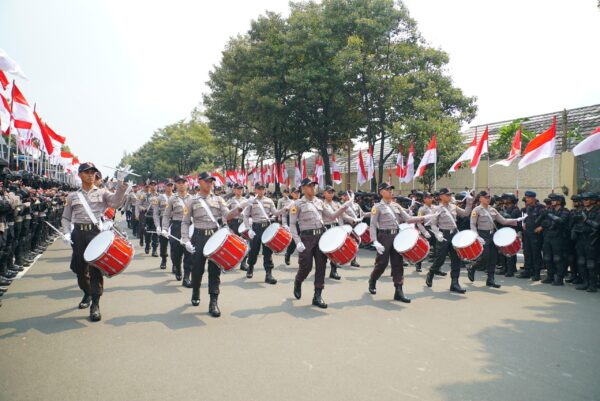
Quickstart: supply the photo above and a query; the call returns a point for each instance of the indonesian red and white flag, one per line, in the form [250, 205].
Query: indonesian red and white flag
[370, 165]
[589, 144]
[409, 170]
[482, 147]
[430, 157]
[466, 156]
[297, 175]
[230, 176]
[515, 151]
[389, 180]
[283, 174]
[335, 171]
[320, 173]
[541, 147]
[4, 115]
[40, 131]
[66, 159]
[22, 113]
[219, 180]
[10, 66]
[400, 164]
[3, 80]
[304, 169]
[361, 171]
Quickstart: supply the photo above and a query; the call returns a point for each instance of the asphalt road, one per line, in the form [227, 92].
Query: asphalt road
[521, 342]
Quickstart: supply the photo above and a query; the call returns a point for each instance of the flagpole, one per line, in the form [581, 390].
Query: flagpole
[488, 173]
[435, 175]
[474, 180]
[553, 157]
[517, 185]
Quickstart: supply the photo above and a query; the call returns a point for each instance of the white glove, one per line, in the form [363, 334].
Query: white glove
[123, 173]
[67, 239]
[523, 217]
[300, 247]
[107, 225]
[246, 202]
[251, 234]
[164, 233]
[347, 204]
[427, 235]
[357, 221]
[380, 248]
[440, 237]
[189, 247]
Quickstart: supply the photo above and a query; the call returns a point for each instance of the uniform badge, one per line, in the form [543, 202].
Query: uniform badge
[293, 210]
[474, 214]
[374, 210]
[185, 210]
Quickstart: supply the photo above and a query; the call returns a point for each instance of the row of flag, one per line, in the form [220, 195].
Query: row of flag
[33, 136]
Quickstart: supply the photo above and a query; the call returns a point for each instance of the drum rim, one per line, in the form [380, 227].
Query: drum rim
[262, 237]
[361, 225]
[413, 244]
[220, 245]
[105, 248]
[504, 230]
[242, 224]
[333, 229]
[349, 226]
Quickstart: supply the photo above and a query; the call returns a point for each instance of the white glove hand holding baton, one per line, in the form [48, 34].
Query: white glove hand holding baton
[164, 233]
[379, 247]
[123, 173]
[189, 247]
[300, 247]
[251, 234]
[440, 237]
[67, 239]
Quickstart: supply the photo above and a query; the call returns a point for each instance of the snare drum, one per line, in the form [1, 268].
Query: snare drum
[363, 232]
[339, 246]
[109, 252]
[468, 245]
[243, 230]
[411, 245]
[350, 231]
[276, 237]
[225, 248]
[109, 213]
[404, 226]
[507, 241]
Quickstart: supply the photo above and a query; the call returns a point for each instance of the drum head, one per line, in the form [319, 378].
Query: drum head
[98, 246]
[464, 238]
[216, 241]
[361, 228]
[270, 232]
[242, 228]
[332, 239]
[505, 236]
[191, 231]
[406, 239]
[348, 228]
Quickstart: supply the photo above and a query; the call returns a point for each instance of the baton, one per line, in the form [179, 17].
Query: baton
[170, 236]
[119, 169]
[58, 231]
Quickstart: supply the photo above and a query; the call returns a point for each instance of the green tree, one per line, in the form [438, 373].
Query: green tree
[500, 147]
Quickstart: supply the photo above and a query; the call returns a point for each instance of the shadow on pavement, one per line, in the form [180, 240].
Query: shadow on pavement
[174, 319]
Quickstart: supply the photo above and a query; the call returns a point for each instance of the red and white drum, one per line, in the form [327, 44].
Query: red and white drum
[467, 244]
[225, 248]
[411, 245]
[362, 231]
[243, 230]
[109, 252]
[339, 246]
[109, 213]
[404, 226]
[350, 231]
[507, 241]
[276, 237]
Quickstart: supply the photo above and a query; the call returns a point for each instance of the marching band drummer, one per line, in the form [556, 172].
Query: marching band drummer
[308, 213]
[157, 213]
[83, 209]
[483, 220]
[295, 195]
[203, 211]
[172, 217]
[261, 211]
[385, 219]
[234, 224]
[444, 226]
[353, 216]
[426, 209]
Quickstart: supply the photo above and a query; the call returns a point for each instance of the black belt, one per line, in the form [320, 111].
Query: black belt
[390, 231]
[261, 225]
[316, 231]
[328, 226]
[205, 232]
[86, 227]
[485, 231]
[175, 222]
[448, 231]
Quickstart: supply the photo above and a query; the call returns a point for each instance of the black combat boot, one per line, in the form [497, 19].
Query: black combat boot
[85, 301]
[196, 297]
[471, 274]
[354, 263]
[244, 265]
[163, 263]
[373, 286]
[269, 279]
[154, 253]
[558, 281]
[399, 295]
[593, 286]
[287, 259]
[250, 272]
[213, 306]
[177, 273]
[317, 300]
[429, 278]
[491, 282]
[455, 287]
[333, 274]
[95, 315]
[297, 289]
[418, 267]
[186, 280]
[147, 249]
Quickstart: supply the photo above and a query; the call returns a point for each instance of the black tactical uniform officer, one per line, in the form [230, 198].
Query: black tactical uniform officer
[532, 237]
[554, 222]
[587, 232]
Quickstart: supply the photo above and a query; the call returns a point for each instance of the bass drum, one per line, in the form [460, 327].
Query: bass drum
[109, 252]
[225, 248]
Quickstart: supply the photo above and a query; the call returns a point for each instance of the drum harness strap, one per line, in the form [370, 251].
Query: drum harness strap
[451, 217]
[262, 208]
[393, 214]
[88, 210]
[312, 206]
[491, 218]
[208, 211]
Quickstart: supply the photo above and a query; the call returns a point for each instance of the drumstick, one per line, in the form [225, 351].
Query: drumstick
[58, 231]
[118, 169]
[170, 236]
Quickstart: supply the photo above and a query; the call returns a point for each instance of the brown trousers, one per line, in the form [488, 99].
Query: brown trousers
[89, 278]
[305, 260]
[389, 256]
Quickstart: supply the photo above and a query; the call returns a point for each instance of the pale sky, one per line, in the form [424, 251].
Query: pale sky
[107, 74]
